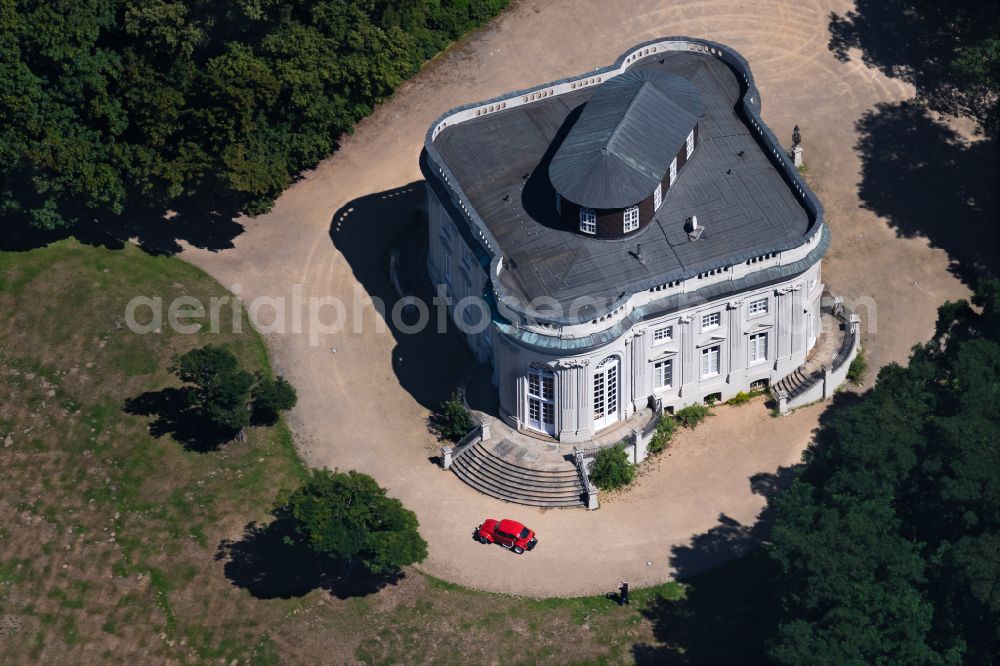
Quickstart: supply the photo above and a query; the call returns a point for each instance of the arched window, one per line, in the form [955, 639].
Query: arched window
[588, 221]
[606, 392]
[631, 219]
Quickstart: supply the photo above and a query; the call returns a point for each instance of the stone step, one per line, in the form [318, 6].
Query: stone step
[567, 473]
[496, 467]
[505, 490]
[502, 479]
[480, 468]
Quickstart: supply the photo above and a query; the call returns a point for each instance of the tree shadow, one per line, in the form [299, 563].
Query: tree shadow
[173, 416]
[724, 615]
[428, 362]
[208, 222]
[270, 562]
[894, 38]
[927, 181]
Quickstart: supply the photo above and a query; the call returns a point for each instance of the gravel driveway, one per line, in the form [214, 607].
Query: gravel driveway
[364, 405]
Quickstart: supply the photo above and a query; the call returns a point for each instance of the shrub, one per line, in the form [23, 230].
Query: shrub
[740, 398]
[452, 421]
[692, 415]
[612, 468]
[859, 366]
[665, 430]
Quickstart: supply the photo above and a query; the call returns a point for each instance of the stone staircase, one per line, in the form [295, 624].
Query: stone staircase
[493, 468]
[800, 379]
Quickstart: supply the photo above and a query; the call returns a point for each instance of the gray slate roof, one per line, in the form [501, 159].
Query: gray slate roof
[746, 204]
[621, 146]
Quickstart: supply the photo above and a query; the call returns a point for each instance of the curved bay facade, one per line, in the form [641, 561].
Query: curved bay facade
[713, 288]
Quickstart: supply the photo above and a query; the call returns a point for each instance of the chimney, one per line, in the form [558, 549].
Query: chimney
[638, 253]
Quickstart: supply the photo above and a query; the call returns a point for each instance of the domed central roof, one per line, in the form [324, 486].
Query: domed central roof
[622, 144]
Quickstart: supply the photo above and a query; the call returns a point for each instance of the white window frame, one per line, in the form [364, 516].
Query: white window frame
[759, 306]
[673, 171]
[711, 321]
[689, 144]
[588, 220]
[663, 334]
[758, 347]
[657, 196]
[663, 374]
[708, 368]
[631, 218]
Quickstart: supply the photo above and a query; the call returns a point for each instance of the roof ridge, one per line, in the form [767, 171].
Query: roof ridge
[624, 114]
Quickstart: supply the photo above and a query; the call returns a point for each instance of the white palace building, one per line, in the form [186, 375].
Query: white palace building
[637, 233]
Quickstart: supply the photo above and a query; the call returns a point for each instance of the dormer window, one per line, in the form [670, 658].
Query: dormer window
[673, 171]
[631, 219]
[690, 143]
[657, 196]
[588, 221]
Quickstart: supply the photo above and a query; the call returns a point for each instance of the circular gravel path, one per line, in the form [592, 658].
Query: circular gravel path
[364, 405]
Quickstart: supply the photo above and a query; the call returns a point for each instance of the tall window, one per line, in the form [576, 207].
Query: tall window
[690, 143]
[467, 257]
[447, 264]
[541, 400]
[758, 347]
[710, 357]
[657, 196]
[758, 306]
[710, 321]
[663, 334]
[663, 374]
[588, 221]
[631, 219]
[673, 171]
[606, 392]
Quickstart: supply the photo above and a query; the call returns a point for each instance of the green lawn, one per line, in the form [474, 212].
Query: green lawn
[112, 540]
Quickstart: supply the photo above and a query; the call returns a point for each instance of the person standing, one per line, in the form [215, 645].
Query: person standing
[623, 592]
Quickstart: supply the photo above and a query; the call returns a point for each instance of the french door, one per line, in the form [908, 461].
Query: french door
[606, 393]
[541, 400]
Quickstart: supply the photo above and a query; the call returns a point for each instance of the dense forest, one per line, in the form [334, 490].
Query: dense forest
[888, 544]
[112, 105]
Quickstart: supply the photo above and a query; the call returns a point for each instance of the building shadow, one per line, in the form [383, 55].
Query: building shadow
[206, 222]
[928, 182]
[172, 415]
[271, 562]
[427, 362]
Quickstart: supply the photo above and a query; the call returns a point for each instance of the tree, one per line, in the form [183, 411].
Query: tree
[347, 516]
[612, 469]
[270, 396]
[452, 420]
[115, 105]
[889, 541]
[221, 389]
[226, 395]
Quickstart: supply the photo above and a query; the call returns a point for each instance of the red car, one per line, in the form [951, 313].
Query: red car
[510, 534]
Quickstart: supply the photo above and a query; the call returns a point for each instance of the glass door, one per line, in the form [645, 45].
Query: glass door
[541, 400]
[606, 393]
